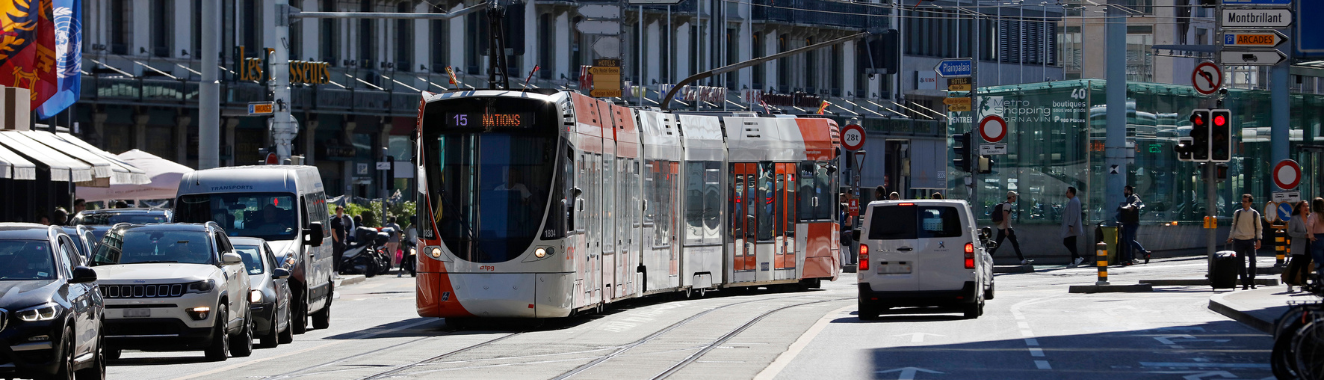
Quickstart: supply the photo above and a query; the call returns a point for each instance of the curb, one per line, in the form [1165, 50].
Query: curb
[1137, 288]
[350, 279]
[1205, 282]
[1028, 268]
[1216, 304]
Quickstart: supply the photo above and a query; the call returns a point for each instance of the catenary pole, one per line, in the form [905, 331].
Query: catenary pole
[209, 90]
[1115, 141]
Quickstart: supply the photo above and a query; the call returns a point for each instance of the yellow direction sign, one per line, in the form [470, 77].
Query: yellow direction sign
[957, 101]
[606, 81]
[959, 108]
[958, 84]
[605, 93]
[596, 70]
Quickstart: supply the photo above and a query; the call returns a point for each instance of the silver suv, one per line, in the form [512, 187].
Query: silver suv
[174, 287]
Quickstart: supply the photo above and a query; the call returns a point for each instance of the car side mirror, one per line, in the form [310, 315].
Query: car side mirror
[313, 235]
[83, 275]
[280, 274]
[231, 258]
[855, 235]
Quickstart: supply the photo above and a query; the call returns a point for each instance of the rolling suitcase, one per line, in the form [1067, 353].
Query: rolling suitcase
[1223, 274]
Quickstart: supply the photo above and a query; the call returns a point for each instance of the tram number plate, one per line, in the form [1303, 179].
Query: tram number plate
[894, 267]
[137, 313]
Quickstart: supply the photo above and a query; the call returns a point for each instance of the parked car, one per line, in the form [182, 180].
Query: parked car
[923, 253]
[113, 216]
[270, 298]
[84, 240]
[50, 307]
[174, 287]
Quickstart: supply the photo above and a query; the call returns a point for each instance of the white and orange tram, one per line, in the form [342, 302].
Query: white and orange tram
[540, 204]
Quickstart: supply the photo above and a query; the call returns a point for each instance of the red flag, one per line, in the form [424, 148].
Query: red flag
[535, 70]
[27, 47]
[823, 107]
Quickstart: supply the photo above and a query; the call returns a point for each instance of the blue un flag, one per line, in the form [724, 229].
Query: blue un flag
[68, 55]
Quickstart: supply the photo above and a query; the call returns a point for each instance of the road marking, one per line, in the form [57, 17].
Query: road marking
[776, 367]
[907, 373]
[1037, 352]
[350, 339]
[1199, 375]
[1031, 342]
[1023, 325]
[918, 337]
[1206, 365]
[1042, 364]
[1027, 333]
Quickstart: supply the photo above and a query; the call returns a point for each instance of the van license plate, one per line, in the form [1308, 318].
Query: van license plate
[894, 267]
[137, 313]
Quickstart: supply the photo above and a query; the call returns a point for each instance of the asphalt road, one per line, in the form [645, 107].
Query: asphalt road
[1032, 329]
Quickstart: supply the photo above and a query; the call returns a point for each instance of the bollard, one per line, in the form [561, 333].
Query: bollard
[1280, 244]
[1101, 252]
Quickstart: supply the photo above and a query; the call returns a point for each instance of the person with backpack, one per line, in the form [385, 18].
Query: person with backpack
[1245, 239]
[1299, 268]
[1002, 219]
[1128, 214]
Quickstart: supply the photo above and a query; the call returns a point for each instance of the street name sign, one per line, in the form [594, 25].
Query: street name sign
[1207, 78]
[1256, 18]
[954, 68]
[1266, 39]
[992, 149]
[958, 84]
[1252, 57]
[1259, 3]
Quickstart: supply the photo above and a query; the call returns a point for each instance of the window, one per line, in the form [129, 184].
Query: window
[143, 246]
[121, 18]
[811, 68]
[26, 260]
[545, 45]
[328, 33]
[252, 255]
[911, 222]
[270, 216]
[765, 200]
[163, 16]
[783, 65]
[68, 258]
[251, 30]
[650, 188]
[703, 208]
[608, 203]
[404, 40]
[440, 49]
[756, 42]
[367, 39]
[815, 194]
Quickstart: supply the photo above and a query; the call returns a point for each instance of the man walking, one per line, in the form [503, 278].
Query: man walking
[845, 224]
[1072, 226]
[1128, 213]
[1245, 238]
[339, 229]
[1002, 217]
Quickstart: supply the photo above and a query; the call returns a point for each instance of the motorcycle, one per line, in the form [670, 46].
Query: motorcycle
[409, 261]
[367, 255]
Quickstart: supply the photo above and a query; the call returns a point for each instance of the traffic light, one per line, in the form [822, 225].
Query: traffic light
[1200, 135]
[1220, 135]
[389, 175]
[985, 164]
[877, 54]
[961, 146]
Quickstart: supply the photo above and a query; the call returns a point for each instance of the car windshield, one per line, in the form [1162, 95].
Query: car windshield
[153, 246]
[252, 255]
[270, 216]
[111, 218]
[26, 260]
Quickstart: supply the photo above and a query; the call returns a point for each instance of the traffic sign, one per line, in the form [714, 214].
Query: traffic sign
[260, 108]
[383, 165]
[1256, 18]
[604, 70]
[992, 149]
[1258, 3]
[1252, 57]
[1286, 196]
[1287, 174]
[1207, 78]
[606, 74]
[852, 137]
[993, 128]
[1271, 38]
[605, 93]
[958, 84]
[954, 68]
[956, 101]
[1285, 211]
[600, 12]
[959, 108]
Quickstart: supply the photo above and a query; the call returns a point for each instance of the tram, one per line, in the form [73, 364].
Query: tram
[544, 203]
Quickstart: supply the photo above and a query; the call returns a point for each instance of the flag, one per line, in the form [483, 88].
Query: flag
[27, 47]
[451, 74]
[766, 109]
[535, 70]
[68, 57]
[823, 107]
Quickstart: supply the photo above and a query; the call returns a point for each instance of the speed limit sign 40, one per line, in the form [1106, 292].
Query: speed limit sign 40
[852, 137]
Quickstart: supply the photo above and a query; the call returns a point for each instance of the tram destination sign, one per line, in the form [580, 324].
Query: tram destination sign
[1256, 18]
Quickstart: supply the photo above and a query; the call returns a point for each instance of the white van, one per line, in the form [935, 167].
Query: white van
[282, 204]
[923, 253]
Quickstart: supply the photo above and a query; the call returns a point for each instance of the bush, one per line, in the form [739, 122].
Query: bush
[403, 212]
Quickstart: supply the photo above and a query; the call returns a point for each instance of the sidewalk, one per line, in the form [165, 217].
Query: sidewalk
[1258, 308]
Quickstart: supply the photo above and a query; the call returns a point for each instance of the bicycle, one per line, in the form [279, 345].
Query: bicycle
[1298, 348]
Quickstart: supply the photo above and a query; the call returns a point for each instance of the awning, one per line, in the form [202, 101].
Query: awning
[63, 167]
[116, 173]
[13, 166]
[139, 176]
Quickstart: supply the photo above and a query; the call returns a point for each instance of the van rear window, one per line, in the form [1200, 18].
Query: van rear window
[914, 222]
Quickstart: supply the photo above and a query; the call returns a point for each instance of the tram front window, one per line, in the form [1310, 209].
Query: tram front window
[489, 176]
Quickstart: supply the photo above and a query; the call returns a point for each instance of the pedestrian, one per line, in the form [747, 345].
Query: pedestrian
[1299, 268]
[1245, 239]
[1315, 224]
[1128, 213]
[79, 206]
[1072, 226]
[59, 217]
[339, 231]
[937, 195]
[894, 196]
[1002, 217]
[845, 224]
[121, 204]
[45, 221]
[880, 193]
[392, 230]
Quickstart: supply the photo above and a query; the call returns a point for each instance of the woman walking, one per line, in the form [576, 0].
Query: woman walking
[1315, 225]
[1301, 240]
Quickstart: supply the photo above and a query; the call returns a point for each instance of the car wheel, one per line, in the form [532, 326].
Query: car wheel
[988, 294]
[242, 344]
[270, 339]
[66, 370]
[98, 369]
[113, 353]
[220, 341]
[974, 309]
[322, 319]
[299, 319]
[867, 312]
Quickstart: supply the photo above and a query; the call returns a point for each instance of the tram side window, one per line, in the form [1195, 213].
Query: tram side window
[624, 209]
[579, 203]
[608, 203]
[765, 200]
[693, 202]
[737, 199]
[807, 197]
[815, 196]
[635, 204]
[712, 202]
[649, 189]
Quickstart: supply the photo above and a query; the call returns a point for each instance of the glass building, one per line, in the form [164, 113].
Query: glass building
[1056, 134]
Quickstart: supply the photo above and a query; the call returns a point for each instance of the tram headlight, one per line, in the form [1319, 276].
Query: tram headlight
[435, 252]
[540, 252]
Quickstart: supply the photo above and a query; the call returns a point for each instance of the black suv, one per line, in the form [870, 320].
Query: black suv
[50, 307]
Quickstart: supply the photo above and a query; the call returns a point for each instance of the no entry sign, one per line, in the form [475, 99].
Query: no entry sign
[993, 128]
[1287, 174]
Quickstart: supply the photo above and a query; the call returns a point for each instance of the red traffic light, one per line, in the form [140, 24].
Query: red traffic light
[1197, 120]
[1219, 120]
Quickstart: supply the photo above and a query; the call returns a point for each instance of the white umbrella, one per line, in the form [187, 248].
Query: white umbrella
[164, 175]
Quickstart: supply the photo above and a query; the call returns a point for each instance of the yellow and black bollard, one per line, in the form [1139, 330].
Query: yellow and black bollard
[1280, 243]
[1101, 251]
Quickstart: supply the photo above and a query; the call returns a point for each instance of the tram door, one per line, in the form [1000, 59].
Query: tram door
[743, 210]
[784, 220]
[609, 214]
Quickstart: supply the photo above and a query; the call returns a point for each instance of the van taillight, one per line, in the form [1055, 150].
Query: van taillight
[864, 257]
[969, 256]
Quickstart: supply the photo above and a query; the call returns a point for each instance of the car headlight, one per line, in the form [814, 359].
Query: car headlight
[201, 286]
[43, 312]
[255, 296]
